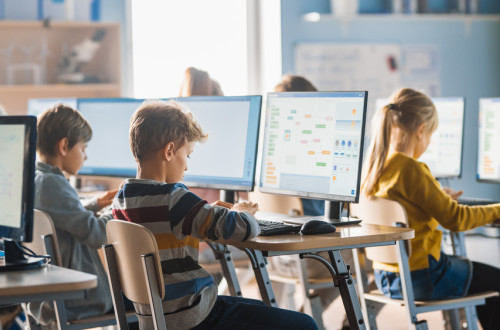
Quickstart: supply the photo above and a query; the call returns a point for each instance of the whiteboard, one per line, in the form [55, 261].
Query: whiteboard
[379, 69]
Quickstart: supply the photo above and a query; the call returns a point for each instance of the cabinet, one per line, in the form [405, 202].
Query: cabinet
[31, 54]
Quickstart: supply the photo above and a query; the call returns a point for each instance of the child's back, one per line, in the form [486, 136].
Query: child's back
[178, 218]
[62, 138]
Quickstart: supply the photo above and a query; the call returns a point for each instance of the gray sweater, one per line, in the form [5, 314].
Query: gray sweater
[80, 233]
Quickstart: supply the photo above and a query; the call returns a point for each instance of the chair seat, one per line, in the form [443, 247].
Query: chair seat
[101, 319]
[434, 305]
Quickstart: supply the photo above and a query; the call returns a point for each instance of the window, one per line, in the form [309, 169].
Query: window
[236, 41]
[170, 36]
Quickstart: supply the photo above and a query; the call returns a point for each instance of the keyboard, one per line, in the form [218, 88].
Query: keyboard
[269, 228]
[471, 201]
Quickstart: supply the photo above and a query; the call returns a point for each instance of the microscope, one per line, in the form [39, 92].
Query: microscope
[71, 63]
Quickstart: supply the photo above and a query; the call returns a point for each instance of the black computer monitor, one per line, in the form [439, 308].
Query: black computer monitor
[444, 154]
[488, 158]
[37, 106]
[17, 177]
[108, 153]
[313, 145]
[227, 160]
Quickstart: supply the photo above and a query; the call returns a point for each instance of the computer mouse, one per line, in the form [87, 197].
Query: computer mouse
[314, 227]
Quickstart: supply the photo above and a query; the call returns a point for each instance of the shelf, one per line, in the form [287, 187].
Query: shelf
[31, 53]
[319, 17]
[14, 98]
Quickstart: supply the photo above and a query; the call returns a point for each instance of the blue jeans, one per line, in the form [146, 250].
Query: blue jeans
[249, 314]
[449, 277]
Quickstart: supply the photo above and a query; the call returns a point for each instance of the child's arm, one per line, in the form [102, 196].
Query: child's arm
[189, 215]
[97, 203]
[56, 197]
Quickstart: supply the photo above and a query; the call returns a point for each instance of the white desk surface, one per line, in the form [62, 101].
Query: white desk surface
[45, 283]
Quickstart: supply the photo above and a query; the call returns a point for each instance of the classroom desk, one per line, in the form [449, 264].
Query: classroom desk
[346, 237]
[48, 282]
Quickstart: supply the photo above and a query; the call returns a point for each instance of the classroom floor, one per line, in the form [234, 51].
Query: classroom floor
[390, 317]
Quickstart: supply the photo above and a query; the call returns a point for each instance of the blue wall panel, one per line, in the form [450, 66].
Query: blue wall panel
[470, 66]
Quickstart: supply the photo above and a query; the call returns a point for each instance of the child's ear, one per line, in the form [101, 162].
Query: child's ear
[421, 130]
[168, 151]
[62, 146]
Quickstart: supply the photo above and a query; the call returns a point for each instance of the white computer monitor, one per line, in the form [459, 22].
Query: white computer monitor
[108, 153]
[313, 144]
[227, 159]
[37, 106]
[444, 154]
[488, 158]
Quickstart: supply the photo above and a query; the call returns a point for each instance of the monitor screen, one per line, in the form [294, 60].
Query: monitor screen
[37, 106]
[313, 144]
[488, 158]
[444, 154]
[17, 175]
[227, 159]
[108, 153]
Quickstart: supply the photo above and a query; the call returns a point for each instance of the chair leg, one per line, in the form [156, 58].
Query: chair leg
[313, 307]
[471, 318]
[371, 312]
[452, 319]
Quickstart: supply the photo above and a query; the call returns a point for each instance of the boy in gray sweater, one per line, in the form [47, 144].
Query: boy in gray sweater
[63, 135]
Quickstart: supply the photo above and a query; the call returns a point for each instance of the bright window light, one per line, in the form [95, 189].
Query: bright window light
[170, 36]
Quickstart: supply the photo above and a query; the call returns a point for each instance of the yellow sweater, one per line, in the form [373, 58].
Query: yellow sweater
[410, 182]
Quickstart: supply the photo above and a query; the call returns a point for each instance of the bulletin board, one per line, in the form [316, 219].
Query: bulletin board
[379, 69]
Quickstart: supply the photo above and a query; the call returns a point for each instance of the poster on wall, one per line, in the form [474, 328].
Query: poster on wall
[379, 69]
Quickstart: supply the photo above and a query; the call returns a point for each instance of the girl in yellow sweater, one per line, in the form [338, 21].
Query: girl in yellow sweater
[402, 132]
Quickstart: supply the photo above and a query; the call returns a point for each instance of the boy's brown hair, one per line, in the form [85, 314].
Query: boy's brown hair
[156, 123]
[58, 122]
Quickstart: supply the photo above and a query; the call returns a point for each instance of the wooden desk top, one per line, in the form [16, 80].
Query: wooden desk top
[345, 236]
[47, 280]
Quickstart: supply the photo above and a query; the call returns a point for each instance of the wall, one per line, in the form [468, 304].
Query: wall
[116, 11]
[469, 61]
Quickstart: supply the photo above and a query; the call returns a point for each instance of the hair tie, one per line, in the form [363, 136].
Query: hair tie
[392, 106]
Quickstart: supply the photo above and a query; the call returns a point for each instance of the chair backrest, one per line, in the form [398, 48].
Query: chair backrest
[381, 211]
[131, 241]
[276, 203]
[45, 237]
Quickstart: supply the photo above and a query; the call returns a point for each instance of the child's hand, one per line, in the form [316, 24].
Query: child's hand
[453, 193]
[106, 199]
[222, 204]
[246, 207]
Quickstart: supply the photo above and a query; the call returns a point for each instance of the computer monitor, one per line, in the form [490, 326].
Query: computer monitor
[227, 159]
[444, 154]
[37, 106]
[17, 177]
[313, 144]
[488, 158]
[108, 153]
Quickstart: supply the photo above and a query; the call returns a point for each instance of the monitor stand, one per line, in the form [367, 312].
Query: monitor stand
[227, 196]
[333, 211]
[15, 259]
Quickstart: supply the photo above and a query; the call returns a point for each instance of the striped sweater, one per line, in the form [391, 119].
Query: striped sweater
[178, 219]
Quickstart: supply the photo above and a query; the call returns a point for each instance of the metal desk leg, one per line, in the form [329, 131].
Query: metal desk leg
[226, 262]
[347, 291]
[262, 277]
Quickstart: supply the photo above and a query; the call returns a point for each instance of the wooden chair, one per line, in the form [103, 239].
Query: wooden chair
[134, 269]
[386, 212]
[45, 242]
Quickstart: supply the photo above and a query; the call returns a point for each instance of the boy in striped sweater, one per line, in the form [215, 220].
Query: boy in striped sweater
[162, 136]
